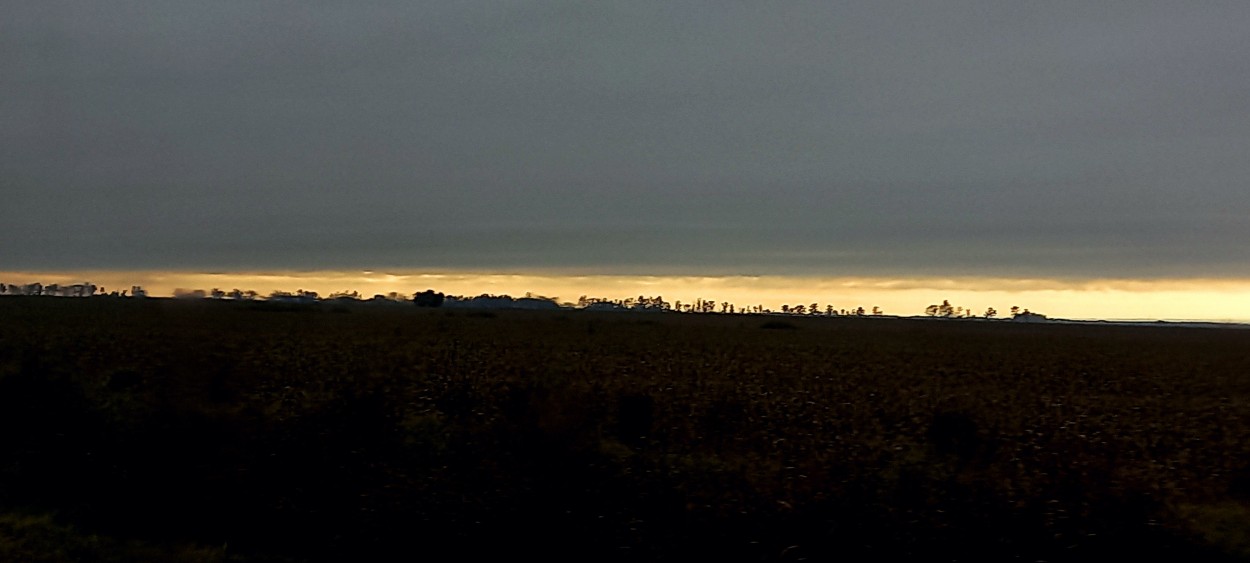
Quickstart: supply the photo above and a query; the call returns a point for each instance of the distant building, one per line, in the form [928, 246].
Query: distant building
[1029, 317]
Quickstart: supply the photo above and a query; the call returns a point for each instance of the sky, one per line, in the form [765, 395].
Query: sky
[886, 142]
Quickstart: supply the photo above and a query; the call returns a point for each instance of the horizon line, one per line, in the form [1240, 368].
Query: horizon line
[1194, 299]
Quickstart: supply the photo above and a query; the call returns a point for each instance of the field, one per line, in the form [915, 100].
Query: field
[162, 430]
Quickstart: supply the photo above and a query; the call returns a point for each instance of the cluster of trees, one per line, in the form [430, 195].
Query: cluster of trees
[641, 303]
[948, 311]
[428, 298]
[488, 301]
[297, 296]
[814, 310]
[74, 290]
[215, 293]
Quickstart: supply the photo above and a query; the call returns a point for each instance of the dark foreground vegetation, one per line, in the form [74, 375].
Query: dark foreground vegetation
[162, 430]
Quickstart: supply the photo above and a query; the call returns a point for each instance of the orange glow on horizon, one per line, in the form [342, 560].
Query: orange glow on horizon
[1171, 299]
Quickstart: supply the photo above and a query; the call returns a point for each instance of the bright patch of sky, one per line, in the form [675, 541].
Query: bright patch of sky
[1206, 300]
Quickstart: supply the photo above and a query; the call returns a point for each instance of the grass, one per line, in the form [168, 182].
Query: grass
[174, 428]
[40, 539]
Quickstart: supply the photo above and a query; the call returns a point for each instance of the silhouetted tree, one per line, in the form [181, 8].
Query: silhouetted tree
[990, 313]
[428, 298]
[183, 293]
[945, 310]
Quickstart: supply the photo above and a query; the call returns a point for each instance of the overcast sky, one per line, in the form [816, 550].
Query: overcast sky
[1005, 138]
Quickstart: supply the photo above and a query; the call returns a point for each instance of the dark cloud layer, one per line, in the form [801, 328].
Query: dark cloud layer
[997, 138]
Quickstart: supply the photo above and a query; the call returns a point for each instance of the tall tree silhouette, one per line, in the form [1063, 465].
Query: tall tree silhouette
[428, 298]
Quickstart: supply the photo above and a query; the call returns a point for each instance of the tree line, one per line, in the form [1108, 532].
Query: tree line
[430, 298]
[72, 290]
[948, 311]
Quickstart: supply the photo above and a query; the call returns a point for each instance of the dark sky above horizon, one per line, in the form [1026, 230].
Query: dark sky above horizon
[1065, 138]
